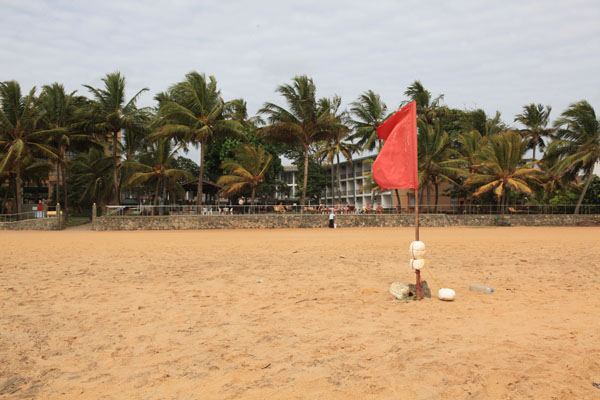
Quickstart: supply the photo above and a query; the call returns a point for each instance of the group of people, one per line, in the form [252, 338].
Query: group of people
[337, 209]
[347, 209]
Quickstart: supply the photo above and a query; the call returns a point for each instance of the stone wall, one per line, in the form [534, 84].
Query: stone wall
[342, 221]
[38, 224]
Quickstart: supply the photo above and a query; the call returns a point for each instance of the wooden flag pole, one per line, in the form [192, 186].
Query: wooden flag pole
[418, 287]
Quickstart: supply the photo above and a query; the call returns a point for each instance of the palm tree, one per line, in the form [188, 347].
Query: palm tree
[426, 106]
[155, 166]
[248, 170]
[469, 153]
[192, 112]
[331, 150]
[19, 132]
[435, 162]
[110, 114]
[91, 177]
[304, 124]
[479, 121]
[60, 116]
[370, 112]
[577, 143]
[370, 184]
[502, 168]
[535, 118]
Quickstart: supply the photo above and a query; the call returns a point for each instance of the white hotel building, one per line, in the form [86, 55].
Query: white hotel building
[351, 179]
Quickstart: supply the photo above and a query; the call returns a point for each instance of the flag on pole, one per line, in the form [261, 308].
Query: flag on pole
[396, 166]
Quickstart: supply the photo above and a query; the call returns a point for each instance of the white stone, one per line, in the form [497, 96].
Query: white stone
[399, 289]
[417, 250]
[446, 294]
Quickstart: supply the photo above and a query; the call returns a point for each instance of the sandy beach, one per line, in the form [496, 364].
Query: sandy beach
[296, 314]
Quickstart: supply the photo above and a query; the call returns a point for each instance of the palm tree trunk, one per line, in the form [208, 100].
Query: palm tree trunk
[156, 191]
[428, 198]
[18, 198]
[398, 198]
[6, 197]
[200, 178]
[57, 189]
[332, 186]
[436, 197]
[337, 172]
[252, 198]
[500, 202]
[421, 197]
[589, 177]
[66, 202]
[116, 196]
[305, 180]
[164, 193]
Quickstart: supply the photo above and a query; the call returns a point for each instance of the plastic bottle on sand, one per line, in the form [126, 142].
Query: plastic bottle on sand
[480, 288]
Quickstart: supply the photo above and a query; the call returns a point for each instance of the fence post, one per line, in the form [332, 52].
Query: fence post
[93, 212]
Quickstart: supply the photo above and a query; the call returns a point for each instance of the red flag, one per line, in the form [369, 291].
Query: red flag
[396, 166]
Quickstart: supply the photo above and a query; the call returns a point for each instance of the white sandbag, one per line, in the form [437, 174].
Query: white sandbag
[417, 264]
[417, 250]
[446, 294]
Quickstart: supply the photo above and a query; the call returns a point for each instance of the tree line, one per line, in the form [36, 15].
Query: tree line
[102, 146]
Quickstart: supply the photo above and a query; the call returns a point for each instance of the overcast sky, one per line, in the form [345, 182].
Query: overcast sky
[495, 55]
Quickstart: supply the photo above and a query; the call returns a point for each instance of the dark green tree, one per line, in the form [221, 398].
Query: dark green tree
[303, 124]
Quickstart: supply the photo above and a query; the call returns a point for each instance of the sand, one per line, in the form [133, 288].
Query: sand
[259, 314]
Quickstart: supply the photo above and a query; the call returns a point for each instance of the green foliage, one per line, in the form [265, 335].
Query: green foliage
[369, 112]
[303, 124]
[91, 178]
[502, 169]
[192, 113]
[186, 164]
[317, 176]
[571, 195]
[246, 171]
[535, 118]
[108, 115]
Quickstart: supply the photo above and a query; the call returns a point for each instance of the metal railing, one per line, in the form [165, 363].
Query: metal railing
[212, 210]
[20, 216]
[48, 212]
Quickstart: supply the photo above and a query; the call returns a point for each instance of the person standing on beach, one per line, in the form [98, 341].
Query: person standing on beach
[332, 220]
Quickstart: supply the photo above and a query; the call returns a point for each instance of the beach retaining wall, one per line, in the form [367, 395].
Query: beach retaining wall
[37, 224]
[342, 221]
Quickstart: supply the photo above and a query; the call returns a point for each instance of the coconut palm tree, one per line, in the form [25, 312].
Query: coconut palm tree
[577, 143]
[426, 106]
[502, 168]
[331, 151]
[19, 132]
[109, 114]
[60, 120]
[369, 112]
[434, 157]
[479, 121]
[91, 177]
[156, 166]
[192, 112]
[247, 170]
[304, 124]
[535, 118]
[336, 145]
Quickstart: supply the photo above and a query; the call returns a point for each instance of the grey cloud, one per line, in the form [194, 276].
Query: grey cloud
[494, 55]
